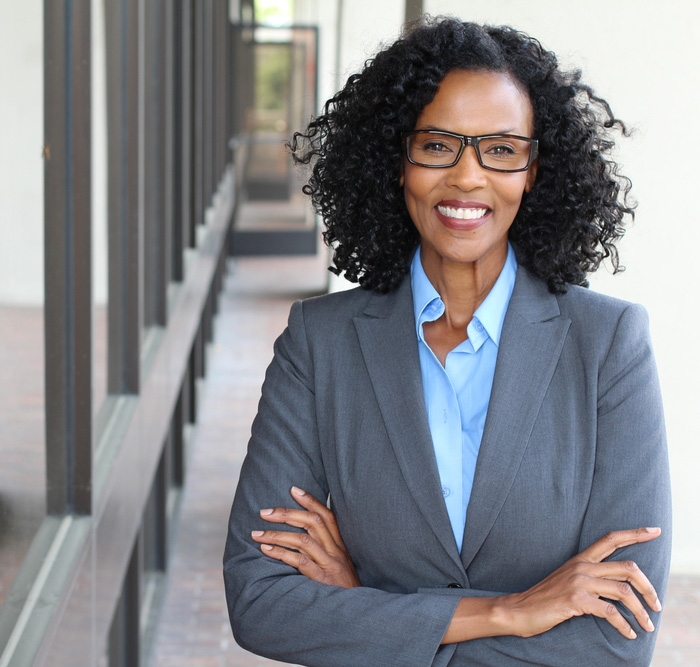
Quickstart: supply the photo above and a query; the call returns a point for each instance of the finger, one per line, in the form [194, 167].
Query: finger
[302, 542]
[611, 614]
[292, 517]
[623, 592]
[312, 522]
[297, 560]
[310, 503]
[616, 539]
[628, 570]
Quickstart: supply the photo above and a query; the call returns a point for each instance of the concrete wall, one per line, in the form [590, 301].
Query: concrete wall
[21, 142]
[644, 63]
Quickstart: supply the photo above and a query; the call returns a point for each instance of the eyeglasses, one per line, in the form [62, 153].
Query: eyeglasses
[437, 149]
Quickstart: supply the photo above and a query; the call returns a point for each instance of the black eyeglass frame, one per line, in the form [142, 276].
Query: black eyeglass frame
[471, 141]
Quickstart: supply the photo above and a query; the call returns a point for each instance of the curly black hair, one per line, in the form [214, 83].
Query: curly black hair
[566, 225]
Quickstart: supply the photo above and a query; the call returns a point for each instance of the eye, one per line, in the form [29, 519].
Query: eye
[435, 146]
[501, 150]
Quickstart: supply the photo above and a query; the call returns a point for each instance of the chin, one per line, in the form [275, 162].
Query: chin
[466, 251]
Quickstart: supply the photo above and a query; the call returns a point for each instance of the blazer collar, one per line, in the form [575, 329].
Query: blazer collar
[531, 299]
[389, 346]
[531, 341]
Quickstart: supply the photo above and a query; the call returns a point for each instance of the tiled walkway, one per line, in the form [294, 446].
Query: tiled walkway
[194, 629]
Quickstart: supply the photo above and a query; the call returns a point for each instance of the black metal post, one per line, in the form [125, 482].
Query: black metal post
[67, 228]
[154, 158]
[124, 308]
[414, 10]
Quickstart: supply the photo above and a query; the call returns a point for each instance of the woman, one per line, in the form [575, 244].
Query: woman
[489, 431]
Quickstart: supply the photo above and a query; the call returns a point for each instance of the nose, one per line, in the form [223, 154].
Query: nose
[467, 174]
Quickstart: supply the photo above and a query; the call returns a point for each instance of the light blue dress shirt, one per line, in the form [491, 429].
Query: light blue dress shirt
[457, 396]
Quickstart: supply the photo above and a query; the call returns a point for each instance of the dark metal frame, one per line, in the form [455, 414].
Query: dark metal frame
[124, 311]
[207, 106]
[155, 243]
[413, 10]
[67, 229]
[186, 104]
[178, 55]
[123, 643]
[198, 11]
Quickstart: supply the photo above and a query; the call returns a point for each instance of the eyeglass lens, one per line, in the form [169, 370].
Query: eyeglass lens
[432, 149]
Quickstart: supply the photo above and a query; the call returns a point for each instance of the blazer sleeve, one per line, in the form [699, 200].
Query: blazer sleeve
[277, 612]
[630, 489]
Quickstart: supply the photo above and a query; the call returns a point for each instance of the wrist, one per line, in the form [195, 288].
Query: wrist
[479, 617]
[504, 615]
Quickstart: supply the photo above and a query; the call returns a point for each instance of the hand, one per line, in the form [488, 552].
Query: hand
[320, 552]
[576, 588]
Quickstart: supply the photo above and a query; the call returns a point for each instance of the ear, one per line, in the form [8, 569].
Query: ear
[402, 179]
[531, 175]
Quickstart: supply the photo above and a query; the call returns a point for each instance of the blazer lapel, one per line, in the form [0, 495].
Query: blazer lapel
[531, 343]
[389, 346]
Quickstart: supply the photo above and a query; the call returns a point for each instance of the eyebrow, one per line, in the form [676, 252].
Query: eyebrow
[433, 128]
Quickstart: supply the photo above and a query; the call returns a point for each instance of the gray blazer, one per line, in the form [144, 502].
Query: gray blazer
[573, 447]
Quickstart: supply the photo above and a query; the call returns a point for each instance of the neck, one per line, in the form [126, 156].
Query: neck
[463, 286]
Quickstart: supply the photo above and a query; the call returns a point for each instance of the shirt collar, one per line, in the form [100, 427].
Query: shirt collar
[428, 306]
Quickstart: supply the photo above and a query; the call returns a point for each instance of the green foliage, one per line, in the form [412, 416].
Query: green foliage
[274, 11]
[272, 72]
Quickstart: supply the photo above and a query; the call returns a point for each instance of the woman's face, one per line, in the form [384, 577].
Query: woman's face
[472, 103]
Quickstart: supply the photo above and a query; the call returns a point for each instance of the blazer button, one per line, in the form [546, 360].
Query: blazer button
[454, 585]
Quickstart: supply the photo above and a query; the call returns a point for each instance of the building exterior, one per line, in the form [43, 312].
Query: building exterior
[121, 167]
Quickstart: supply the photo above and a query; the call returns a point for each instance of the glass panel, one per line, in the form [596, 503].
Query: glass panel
[278, 101]
[22, 439]
[99, 209]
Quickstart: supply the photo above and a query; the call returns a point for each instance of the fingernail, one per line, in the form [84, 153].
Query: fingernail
[258, 533]
[297, 491]
[655, 529]
[657, 605]
[650, 625]
[266, 512]
[266, 547]
[633, 634]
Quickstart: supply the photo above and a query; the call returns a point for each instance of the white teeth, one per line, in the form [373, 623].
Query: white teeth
[462, 213]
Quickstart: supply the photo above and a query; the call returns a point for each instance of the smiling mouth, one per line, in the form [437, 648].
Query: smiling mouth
[463, 213]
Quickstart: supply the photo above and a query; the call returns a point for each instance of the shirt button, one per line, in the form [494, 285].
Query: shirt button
[479, 327]
[445, 491]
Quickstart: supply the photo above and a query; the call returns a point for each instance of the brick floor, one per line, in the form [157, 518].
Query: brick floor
[194, 629]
